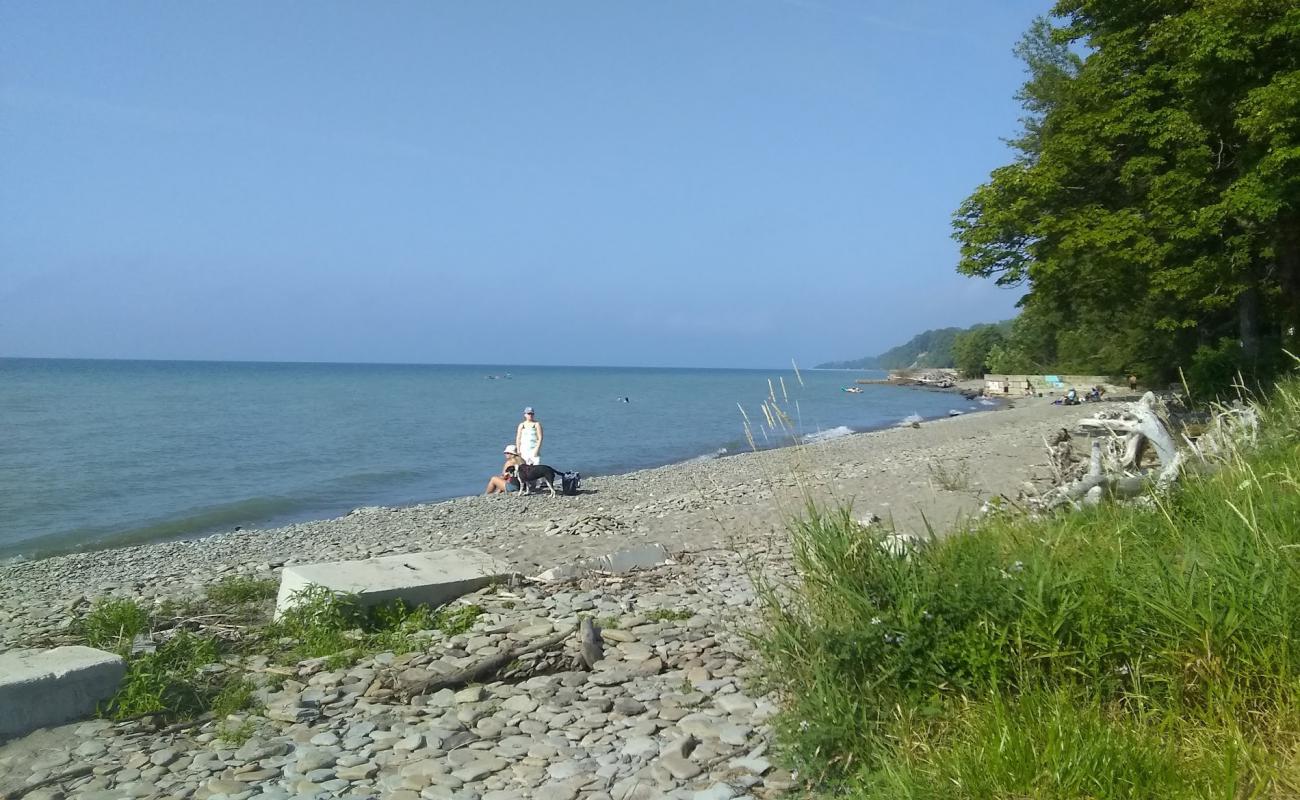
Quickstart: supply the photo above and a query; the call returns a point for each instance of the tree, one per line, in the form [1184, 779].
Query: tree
[972, 348]
[1153, 207]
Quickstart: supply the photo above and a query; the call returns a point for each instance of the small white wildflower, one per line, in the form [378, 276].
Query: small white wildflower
[1122, 669]
[803, 725]
[1018, 566]
[875, 620]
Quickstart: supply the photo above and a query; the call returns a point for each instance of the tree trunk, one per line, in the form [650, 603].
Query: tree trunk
[1248, 324]
[1288, 266]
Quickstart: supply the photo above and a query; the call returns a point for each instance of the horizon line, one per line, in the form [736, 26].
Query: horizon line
[375, 363]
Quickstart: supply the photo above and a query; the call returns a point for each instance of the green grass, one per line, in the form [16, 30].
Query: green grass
[1125, 651]
[173, 681]
[235, 695]
[113, 623]
[170, 680]
[236, 734]
[668, 615]
[326, 624]
[241, 589]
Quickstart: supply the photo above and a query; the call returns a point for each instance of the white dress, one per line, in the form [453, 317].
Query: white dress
[530, 443]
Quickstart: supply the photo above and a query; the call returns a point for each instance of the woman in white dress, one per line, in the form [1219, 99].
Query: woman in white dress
[528, 438]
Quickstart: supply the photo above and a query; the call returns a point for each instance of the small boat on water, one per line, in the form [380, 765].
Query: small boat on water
[852, 389]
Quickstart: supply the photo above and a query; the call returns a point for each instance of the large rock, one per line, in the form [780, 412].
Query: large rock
[434, 578]
[39, 688]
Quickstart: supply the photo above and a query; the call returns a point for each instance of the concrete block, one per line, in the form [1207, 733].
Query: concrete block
[432, 578]
[640, 557]
[39, 688]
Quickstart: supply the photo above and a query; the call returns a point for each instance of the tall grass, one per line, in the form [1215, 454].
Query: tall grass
[1148, 650]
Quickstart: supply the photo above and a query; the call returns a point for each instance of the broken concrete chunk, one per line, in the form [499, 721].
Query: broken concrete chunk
[433, 578]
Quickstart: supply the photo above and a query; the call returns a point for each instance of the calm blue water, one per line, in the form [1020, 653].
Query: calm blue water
[96, 453]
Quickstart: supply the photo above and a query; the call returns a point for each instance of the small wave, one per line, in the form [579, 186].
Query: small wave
[911, 419]
[833, 433]
[716, 454]
[984, 401]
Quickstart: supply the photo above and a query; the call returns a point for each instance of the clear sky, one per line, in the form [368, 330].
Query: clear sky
[693, 183]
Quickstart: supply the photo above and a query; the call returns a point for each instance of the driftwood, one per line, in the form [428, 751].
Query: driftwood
[478, 671]
[1142, 424]
[1122, 435]
[72, 774]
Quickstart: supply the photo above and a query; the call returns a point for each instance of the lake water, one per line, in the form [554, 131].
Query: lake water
[98, 453]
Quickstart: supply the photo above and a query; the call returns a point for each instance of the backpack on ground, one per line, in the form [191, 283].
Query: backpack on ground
[569, 482]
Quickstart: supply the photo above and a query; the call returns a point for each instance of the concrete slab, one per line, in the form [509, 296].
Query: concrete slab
[39, 688]
[640, 557]
[433, 578]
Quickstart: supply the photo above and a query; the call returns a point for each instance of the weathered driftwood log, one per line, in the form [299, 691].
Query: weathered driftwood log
[1143, 424]
[1231, 429]
[72, 774]
[478, 671]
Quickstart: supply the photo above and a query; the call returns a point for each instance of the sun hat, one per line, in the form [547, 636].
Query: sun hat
[511, 450]
[528, 410]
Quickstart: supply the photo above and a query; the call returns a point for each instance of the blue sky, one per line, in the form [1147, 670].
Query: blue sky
[703, 183]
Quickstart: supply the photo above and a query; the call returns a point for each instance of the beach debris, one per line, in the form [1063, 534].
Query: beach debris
[1141, 423]
[434, 578]
[1121, 439]
[646, 556]
[428, 682]
[901, 544]
[870, 519]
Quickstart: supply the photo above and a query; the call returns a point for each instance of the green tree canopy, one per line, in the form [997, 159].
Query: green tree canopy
[1153, 206]
[972, 349]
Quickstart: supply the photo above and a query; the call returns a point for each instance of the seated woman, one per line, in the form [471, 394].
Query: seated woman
[506, 481]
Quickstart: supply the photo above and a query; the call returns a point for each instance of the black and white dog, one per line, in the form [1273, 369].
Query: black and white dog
[529, 474]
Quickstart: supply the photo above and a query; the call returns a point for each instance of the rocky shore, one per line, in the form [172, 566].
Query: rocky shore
[671, 711]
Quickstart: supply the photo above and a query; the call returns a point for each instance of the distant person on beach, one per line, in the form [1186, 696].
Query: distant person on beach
[528, 438]
[1132, 382]
[506, 481]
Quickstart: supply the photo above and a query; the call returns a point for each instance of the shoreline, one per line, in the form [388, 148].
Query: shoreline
[685, 507]
[139, 536]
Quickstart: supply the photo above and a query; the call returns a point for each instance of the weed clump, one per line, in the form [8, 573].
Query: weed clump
[113, 624]
[171, 680]
[184, 676]
[325, 624]
[1126, 651]
[241, 590]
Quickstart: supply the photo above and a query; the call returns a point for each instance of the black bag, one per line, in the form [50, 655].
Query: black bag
[569, 482]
